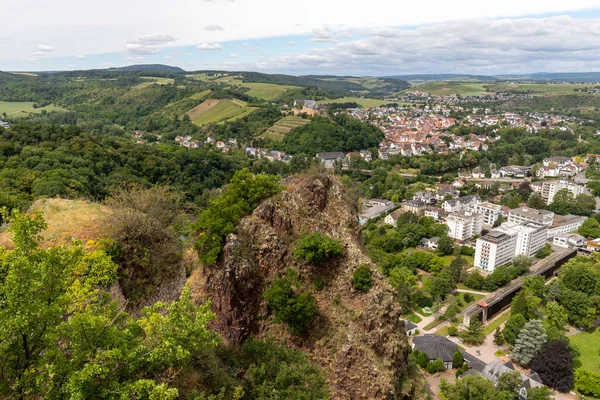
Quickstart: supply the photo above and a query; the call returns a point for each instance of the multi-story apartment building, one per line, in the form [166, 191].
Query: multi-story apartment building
[414, 206]
[547, 189]
[463, 225]
[525, 214]
[490, 212]
[494, 249]
[565, 224]
[530, 237]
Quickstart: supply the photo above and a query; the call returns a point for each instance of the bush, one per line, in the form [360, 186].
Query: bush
[435, 366]
[544, 252]
[588, 383]
[296, 310]
[317, 248]
[421, 299]
[457, 359]
[453, 331]
[474, 281]
[468, 297]
[467, 251]
[362, 278]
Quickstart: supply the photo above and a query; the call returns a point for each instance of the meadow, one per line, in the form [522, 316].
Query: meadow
[539, 88]
[267, 91]
[18, 109]
[215, 111]
[153, 80]
[588, 344]
[475, 89]
[449, 88]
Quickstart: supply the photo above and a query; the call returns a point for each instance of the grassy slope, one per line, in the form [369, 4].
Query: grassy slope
[540, 88]
[221, 111]
[283, 126]
[66, 219]
[151, 80]
[448, 88]
[266, 91]
[474, 89]
[24, 108]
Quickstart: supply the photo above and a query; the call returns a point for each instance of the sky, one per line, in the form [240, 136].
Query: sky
[375, 37]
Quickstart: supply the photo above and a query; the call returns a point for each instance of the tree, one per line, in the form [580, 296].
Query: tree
[435, 366]
[553, 293]
[296, 310]
[362, 278]
[587, 382]
[317, 248]
[457, 359]
[474, 333]
[445, 245]
[539, 393]
[510, 382]
[62, 335]
[544, 252]
[441, 286]
[557, 316]
[536, 201]
[456, 268]
[529, 342]
[554, 365]
[563, 202]
[468, 297]
[144, 244]
[243, 194]
[473, 387]
[474, 280]
[522, 263]
[513, 326]
[584, 204]
[590, 228]
[518, 305]
[498, 337]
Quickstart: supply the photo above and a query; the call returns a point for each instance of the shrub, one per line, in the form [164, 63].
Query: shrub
[468, 297]
[435, 366]
[296, 310]
[474, 281]
[457, 359]
[453, 331]
[467, 251]
[588, 383]
[362, 278]
[317, 248]
[544, 251]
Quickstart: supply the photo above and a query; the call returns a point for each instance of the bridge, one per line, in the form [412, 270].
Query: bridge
[498, 301]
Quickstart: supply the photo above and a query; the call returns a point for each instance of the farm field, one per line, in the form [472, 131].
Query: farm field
[539, 88]
[215, 111]
[18, 109]
[151, 80]
[449, 88]
[588, 345]
[201, 94]
[365, 103]
[283, 126]
[266, 91]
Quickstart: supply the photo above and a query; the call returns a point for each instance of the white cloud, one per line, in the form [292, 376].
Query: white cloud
[44, 48]
[137, 48]
[167, 57]
[482, 46]
[234, 55]
[148, 43]
[80, 57]
[290, 43]
[207, 46]
[136, 59]
[213, 28]
[323, 34]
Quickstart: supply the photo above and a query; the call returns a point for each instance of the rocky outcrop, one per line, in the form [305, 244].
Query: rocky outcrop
[358, 338]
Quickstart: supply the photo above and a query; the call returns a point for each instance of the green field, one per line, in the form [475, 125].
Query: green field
[365, 103]
[449, 88]
[538, 88]
[588, 344]
[152, 80]
[222, 111]
[283, 126]
[266, 91]
[202, 94]
[18, 109]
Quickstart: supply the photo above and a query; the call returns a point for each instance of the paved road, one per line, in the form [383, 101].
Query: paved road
[472, 291]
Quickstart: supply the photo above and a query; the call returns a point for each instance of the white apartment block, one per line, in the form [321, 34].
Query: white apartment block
[463, 225]
[494, 249]
[461, 204]
[490, 212]
[524, 215]
[548, 189]
[565, 224]
[530, 237]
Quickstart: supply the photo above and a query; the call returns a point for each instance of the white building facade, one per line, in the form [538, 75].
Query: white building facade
[463, 225]
[494, 250]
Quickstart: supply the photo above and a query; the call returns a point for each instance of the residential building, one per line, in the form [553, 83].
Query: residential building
[478, 173]
[463, 225]
[525, 214]
[374, 208]
[494, 250]
[460, 204]
[514, 171]
[557, 160]
[410, 328]
[436, 347]
[392, 218]
[329, 159]
[565, 224]
[366, 155]
[435, 213]
[426, 197]
[530, 237]
[458, 184]
[495, 369]
[547, 189]
[490, 212]
[568, 240]
[414, 206]
[447, 191]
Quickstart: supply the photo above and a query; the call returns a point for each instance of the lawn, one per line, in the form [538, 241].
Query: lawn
[218, 111]
[365, 103]
[588, 344]
[152, 80]
[491, 326]
[18, 109]
[267, 91]
[412, 317]
[449, 88]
